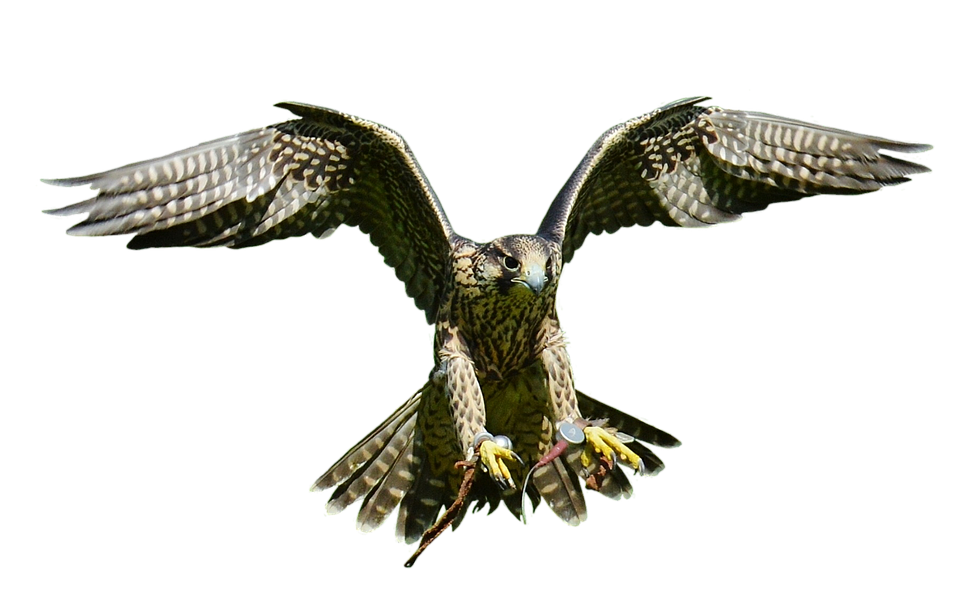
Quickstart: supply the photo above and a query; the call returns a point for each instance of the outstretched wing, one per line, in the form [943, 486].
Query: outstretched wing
[307, 175]
[692, 165]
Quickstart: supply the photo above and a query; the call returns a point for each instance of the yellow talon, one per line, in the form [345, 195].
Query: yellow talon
[586, 459]
[493, 456]
[605, 443]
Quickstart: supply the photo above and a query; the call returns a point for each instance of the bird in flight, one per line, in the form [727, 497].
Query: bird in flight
[501, 395]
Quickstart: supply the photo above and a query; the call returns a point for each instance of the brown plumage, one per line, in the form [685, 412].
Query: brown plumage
[500, 363]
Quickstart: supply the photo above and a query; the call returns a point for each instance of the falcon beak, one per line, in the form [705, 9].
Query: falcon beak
[534, 277]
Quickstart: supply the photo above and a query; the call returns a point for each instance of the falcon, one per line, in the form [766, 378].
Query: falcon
[501, 396]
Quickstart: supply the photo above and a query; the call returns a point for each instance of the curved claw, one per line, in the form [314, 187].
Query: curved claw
[492, 459]
[608, 444]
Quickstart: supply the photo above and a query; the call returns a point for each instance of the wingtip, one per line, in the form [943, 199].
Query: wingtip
[54, 182]
[68, 181]
[303, 110]
[60, 212]
[904, 147]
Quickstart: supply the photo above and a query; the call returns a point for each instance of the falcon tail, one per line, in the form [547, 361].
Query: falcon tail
[386, 467]
[390, 471]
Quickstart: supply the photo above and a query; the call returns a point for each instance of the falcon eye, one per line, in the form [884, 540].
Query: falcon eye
[511, 263]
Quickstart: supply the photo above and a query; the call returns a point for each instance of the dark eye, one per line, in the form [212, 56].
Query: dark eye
[511, 263]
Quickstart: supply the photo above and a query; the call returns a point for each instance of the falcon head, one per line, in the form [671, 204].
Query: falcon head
[519, 265]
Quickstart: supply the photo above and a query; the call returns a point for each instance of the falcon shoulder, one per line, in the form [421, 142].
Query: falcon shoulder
[689, 165]
[308, 175]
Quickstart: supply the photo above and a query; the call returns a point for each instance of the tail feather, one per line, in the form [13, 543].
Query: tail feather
[559, 486]
[397, 481]
[592, 408]
[421, 506]
[652, 464]
[361, 469]
[389, 467]
[616, 485]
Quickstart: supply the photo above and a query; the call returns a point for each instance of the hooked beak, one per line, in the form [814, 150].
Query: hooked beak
[534, 277]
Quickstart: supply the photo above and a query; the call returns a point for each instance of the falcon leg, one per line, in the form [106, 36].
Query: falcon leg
[601, 441]
[556, 366]
[469, 418]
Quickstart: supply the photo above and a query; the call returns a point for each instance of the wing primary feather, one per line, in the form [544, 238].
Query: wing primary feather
[689, 165]
[307, 175]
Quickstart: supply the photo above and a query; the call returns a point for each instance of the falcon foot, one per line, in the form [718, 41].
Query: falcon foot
[608, 445]
[495, 452]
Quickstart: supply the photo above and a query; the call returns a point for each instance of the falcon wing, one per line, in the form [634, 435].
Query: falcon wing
[307, 175]
[692, 166]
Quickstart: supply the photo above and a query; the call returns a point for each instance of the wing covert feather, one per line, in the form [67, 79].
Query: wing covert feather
[308, 175]
[689, 165]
